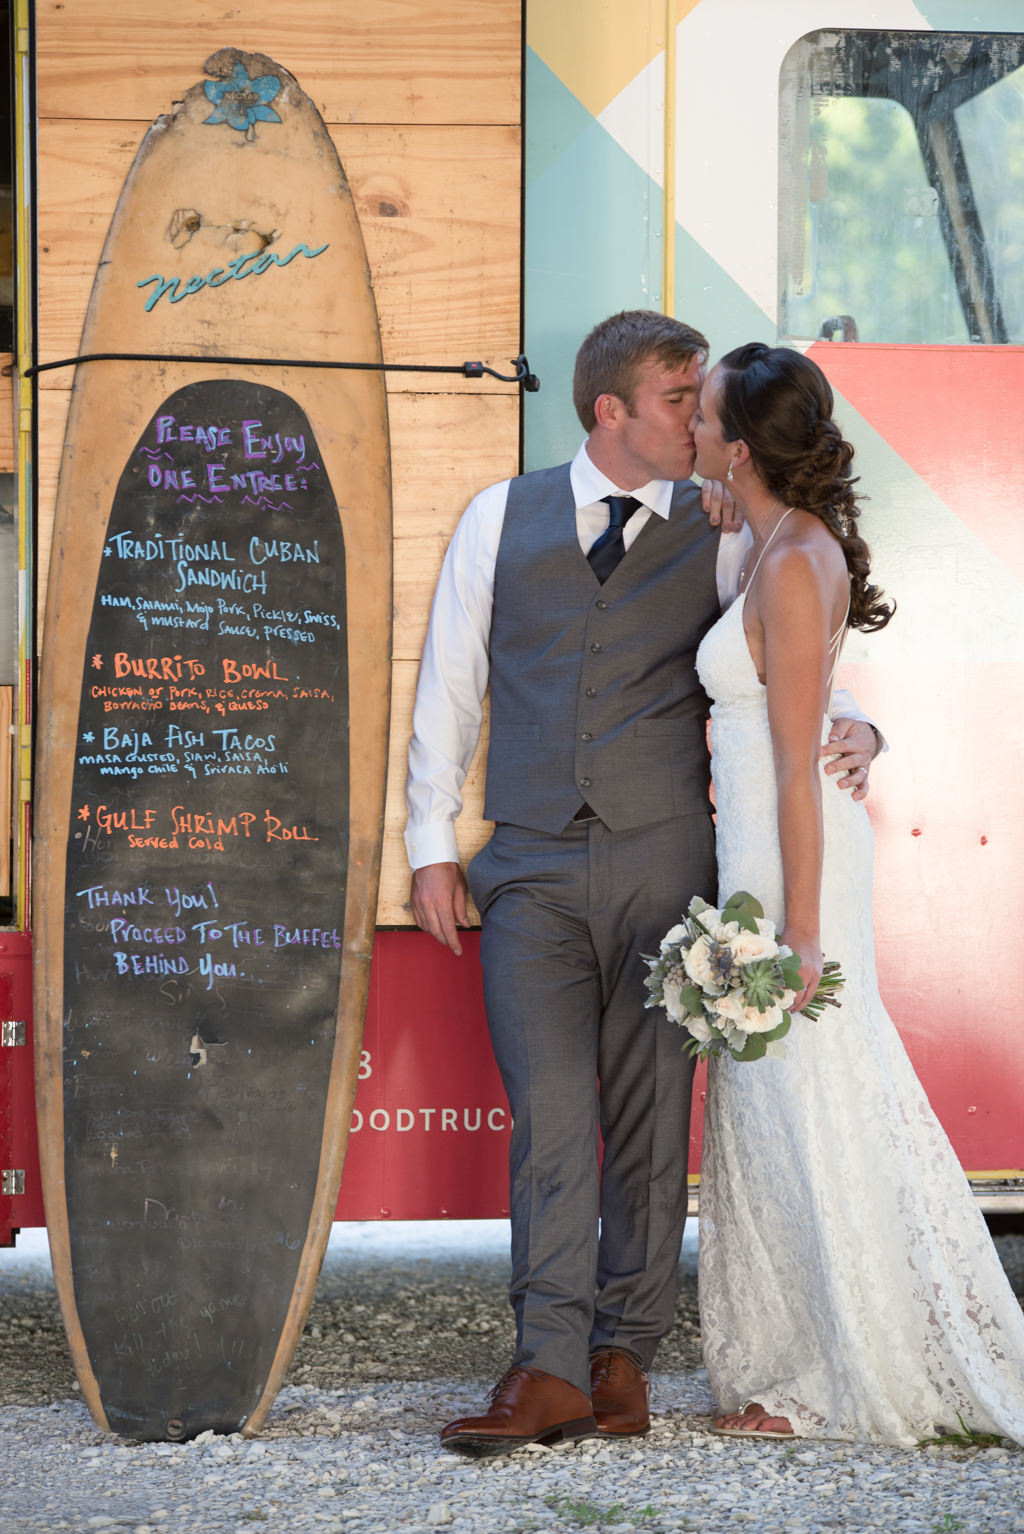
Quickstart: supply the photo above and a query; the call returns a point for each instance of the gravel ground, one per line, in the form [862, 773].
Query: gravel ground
[409, 1327]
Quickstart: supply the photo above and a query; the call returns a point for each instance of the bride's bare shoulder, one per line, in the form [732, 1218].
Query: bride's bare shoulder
[805, 577]
[807, 550]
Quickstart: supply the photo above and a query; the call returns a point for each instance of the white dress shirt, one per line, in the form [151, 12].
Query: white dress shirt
[455, 665]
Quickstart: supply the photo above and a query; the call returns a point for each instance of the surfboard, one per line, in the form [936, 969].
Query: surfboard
[212, 760]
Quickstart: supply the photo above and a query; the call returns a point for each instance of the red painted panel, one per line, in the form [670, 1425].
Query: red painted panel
[18, 1147]
[948, 805]
[955, 414]
[430, 1128]
[948, 810]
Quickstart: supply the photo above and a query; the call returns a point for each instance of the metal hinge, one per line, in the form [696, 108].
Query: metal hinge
[12, 1182]
[12, 1033]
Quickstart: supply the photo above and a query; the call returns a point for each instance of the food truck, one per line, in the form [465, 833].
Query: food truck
[843, 177]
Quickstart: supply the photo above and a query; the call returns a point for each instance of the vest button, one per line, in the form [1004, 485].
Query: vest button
[586, 735]
[591, 692]
[596, 648]
[584, 782]
[601, 605]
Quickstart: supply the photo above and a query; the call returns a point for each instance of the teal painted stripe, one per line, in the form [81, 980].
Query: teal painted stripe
[554, 117]
[587, 257]
[593, 247]
[707, 297]
[981, 16]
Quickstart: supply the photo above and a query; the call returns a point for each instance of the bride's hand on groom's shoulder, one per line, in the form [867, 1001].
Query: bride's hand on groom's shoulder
[719, 507]
[848, 753]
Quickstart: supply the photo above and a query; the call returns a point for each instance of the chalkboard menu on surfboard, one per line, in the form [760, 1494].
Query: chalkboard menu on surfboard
[206, 867]
[212, 760]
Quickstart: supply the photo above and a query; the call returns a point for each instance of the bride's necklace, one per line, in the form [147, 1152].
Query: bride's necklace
[760, 542]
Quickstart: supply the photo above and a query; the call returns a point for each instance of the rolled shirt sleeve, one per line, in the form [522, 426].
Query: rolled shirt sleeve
[452, 682]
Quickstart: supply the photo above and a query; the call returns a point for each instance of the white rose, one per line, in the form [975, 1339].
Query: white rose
[672, 937]
[670, 988]
[701, 1030]
[750, 946]
[761, 1022]
[697, 964]
[720, 930]
[729, 1010]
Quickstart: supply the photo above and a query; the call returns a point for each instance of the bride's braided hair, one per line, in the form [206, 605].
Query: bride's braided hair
[780, 404]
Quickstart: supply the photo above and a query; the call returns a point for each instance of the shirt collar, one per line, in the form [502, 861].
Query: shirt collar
[590, 485]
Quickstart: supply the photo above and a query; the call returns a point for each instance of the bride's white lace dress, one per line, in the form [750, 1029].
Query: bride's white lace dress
[847, 1280]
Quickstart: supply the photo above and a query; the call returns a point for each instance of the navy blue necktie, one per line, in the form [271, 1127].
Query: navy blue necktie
[606, 552]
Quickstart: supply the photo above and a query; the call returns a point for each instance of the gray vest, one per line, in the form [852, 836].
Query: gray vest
[594, 695]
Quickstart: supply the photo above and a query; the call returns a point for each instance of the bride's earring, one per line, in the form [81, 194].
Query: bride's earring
[729, 474]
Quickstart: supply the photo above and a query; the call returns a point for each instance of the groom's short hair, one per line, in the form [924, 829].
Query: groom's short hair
[607, 361]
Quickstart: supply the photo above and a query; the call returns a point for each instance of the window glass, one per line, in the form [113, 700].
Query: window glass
[902, 187]
[992, 129]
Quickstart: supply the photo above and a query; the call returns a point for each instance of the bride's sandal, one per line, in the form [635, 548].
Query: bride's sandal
[732, 1426]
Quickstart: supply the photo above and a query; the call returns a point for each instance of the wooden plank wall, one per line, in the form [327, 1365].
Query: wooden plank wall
[422, 98]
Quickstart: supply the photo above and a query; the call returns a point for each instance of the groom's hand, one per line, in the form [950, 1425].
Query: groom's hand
[719, 507]
[439, 902]
[851, 747]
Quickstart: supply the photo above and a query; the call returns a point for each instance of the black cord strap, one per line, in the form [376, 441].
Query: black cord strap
[522, 374]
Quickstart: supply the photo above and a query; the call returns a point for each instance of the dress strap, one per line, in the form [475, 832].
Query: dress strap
[767, 544]
[835, 644]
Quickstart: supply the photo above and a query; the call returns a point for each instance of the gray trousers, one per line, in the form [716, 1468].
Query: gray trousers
[595, 1241]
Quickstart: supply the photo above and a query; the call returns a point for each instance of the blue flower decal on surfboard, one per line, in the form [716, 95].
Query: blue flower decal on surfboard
[242, 102]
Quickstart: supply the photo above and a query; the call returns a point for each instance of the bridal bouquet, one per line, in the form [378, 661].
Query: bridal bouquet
[723, 977]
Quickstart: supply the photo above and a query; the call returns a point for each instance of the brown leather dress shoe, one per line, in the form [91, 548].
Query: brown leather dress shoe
[621, 1394]
[527, 1406]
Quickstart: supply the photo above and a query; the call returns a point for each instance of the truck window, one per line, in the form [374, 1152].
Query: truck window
[901, 193]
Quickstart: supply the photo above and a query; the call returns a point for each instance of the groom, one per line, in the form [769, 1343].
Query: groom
[579, 594]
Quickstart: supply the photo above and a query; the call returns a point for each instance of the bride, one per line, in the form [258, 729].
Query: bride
[848, 1285]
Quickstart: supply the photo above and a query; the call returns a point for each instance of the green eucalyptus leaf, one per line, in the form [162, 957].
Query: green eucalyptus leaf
[754, 1049]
